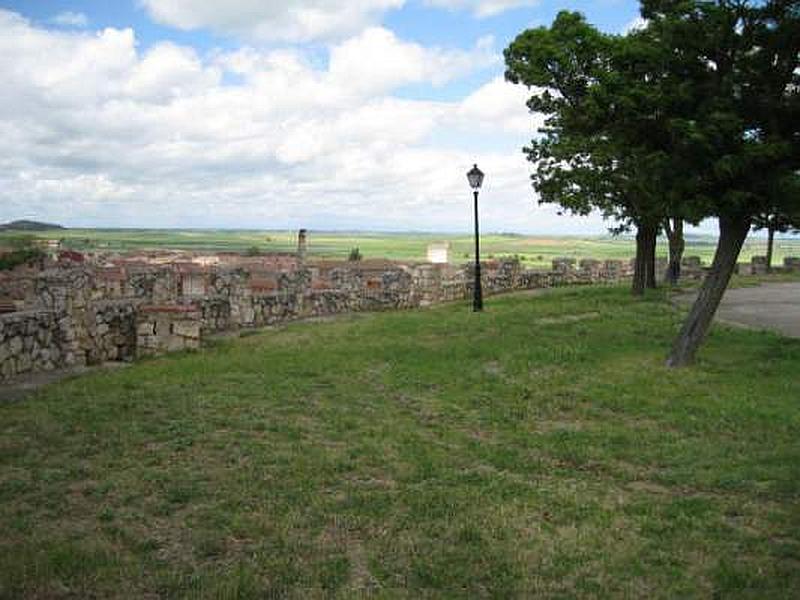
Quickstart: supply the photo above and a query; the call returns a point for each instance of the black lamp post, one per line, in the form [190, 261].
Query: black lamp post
[475, 177]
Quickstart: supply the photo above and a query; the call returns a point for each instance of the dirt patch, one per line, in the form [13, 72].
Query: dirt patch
[649, 487]
[360, 576]
[23, 386]
[548, 425]
[339, 536]
[567, 319]
[493, 368]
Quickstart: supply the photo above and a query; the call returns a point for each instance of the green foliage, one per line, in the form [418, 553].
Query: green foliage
[23, 251]
[697, 114]
[739, 64]
[253, 251]
[780, 218]
[539, 449]
[778, 223]
[601, 147]
[18, 241]
[355, 255]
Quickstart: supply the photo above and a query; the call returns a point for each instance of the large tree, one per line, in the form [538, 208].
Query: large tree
[605, 144]
[694, 116]
[742, 135]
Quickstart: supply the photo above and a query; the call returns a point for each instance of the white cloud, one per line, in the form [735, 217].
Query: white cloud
[169, 71]
[376, 60]
[95, 131]
[482, 8]
[635, 25]
[271, 20]
[500, 104]
[70, 19]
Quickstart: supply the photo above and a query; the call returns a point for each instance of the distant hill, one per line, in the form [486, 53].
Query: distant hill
[24, 225]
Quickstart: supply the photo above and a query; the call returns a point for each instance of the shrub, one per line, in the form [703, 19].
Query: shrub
[355, 255]
[19, 257]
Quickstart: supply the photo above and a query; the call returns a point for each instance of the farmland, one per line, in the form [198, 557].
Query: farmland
[532, 250]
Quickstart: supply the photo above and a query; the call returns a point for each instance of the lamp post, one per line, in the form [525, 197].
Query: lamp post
[475, 178]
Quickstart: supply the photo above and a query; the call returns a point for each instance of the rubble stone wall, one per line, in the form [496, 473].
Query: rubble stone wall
[162, 329]
[85, 315]
[758, 265]
[109, 333]
[35, 341]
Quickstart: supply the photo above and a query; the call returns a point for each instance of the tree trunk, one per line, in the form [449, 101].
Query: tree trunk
[732, 233]
[651, 233]
[677, 244]
[639, 269]
[770, 245]
[644, 270]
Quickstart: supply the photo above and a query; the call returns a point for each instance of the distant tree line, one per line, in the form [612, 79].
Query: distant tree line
[22, 250]
[694, 114]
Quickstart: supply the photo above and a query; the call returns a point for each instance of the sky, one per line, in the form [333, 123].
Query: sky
[325, 114]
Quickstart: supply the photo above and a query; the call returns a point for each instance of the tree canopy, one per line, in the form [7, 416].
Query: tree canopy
[694, 115]
[607, 143]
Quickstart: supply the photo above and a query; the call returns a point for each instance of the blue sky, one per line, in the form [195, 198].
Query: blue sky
[415, 20]
[250, 113]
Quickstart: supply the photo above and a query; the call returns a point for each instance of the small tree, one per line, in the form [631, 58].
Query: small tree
[775, 223]
[355, 255]
[24, 250]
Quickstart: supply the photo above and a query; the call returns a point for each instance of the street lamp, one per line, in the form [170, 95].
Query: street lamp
[475, 177]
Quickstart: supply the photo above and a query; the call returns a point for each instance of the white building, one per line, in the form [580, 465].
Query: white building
[439, 253]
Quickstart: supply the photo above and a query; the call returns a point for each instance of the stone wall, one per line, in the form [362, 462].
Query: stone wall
[35, 341]
[758, 265]
[109, 332]
[92, 315]
[162, 329]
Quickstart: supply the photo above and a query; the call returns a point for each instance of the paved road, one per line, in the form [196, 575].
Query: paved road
[774, 306]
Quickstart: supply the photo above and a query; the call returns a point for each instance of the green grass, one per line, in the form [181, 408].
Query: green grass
[539, 449]
[533, 250]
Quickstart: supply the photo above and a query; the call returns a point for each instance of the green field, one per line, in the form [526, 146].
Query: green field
[540, 449]
[534, 251]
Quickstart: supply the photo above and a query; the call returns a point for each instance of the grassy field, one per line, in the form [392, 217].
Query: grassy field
[540, 449]
[538, 251]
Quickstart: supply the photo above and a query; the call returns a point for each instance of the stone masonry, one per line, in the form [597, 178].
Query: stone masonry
[90, 315]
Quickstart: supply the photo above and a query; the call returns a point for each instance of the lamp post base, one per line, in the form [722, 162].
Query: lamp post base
[477, 298]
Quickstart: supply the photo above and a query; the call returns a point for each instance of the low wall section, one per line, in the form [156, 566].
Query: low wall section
[35, 341]
[93, 315]
[758, 265]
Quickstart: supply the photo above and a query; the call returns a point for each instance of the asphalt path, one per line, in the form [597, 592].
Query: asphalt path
[773, 306]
